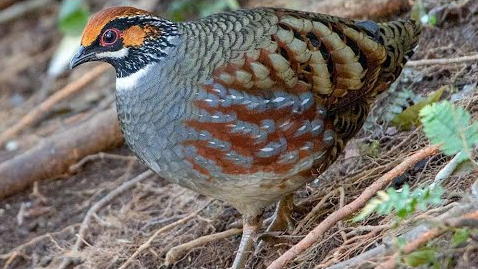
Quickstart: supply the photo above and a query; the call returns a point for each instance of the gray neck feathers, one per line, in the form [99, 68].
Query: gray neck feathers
[151, 106]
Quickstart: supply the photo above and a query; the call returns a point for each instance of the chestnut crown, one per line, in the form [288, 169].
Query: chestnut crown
[128, 38]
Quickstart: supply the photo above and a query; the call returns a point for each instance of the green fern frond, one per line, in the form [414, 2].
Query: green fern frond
[450, 127]
[401, 201]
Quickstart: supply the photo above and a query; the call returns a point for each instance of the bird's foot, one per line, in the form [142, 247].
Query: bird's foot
[249, 231]
[279, 222]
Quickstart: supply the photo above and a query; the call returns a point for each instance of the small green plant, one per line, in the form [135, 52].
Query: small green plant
[73, 17]
[394, 102]
[450, 127]
[420, 14]
[423, 256]
[410, 116]
[402, 202]
[460, 236]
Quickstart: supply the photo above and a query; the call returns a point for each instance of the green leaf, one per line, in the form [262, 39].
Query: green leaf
[450, 127]
[460, 236]
[420, 257]
[73, 17]
[433, 20]
[401, 201]
[410, 116]
[368, 209]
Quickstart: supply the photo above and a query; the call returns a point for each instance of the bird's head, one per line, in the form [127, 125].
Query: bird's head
[127, 38]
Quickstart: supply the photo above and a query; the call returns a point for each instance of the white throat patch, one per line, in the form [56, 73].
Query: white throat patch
[130, 82]
[113, 54]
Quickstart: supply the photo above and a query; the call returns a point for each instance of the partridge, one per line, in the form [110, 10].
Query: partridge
[244, 106]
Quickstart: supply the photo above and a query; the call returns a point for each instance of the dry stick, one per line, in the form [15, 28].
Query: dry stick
[45, 106]
[350, 208]
[455, 211]
[313, 212]
[54, 155]
[363, 9]
[468, 220]
[445, 61]
[166, 228]
[354, 9]
[99, 205]
[99, 156]
[22, 8]
[176, 253]
[35, 241]
[411, 246]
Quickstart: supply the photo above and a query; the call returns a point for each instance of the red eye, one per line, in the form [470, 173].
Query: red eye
[109, 37]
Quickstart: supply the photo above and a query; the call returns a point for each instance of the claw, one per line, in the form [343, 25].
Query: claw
[280, 221]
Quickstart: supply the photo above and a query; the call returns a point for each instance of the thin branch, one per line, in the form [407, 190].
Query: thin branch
[448, 170]
[468, 220]
[45, 106]
[177, 252]
[35, 241]
[445, 61]
[410, 247]
[313, 212]
[21, 8]
[55, 154]
[166, 228]
[351, 208]
[99, 156]
[457, 215]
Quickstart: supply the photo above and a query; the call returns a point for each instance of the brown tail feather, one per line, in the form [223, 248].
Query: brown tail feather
[400, 39]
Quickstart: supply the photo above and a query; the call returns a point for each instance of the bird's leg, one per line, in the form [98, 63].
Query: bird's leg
[281, 220]
[251, 225]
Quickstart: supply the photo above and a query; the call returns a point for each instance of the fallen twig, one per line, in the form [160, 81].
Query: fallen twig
[350, 208]
[54, 155]
[45, 106]
[313, 212]
[99, 156]
[458, 213]
[21, 8]
[410, 247]
[177, 252]
[470, 219]
[99, 205]
[355, 9]
[448, 170]
[463, 59]
[35, 241]
[166, 228]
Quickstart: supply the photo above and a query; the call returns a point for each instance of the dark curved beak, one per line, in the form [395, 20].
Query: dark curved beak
[81, 56]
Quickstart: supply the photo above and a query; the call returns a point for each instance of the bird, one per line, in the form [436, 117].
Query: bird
[245, 106]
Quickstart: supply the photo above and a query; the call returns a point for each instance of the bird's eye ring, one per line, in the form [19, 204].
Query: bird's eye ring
[109, 37]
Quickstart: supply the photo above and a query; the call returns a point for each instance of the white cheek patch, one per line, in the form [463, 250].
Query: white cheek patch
[113, 54]
[130, 82]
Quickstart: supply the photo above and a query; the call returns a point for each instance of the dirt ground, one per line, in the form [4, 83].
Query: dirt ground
[39, 226]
